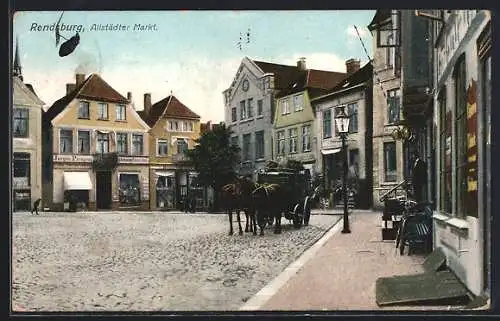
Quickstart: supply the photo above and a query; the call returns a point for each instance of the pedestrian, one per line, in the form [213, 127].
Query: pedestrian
[35, 206]
[419, 177]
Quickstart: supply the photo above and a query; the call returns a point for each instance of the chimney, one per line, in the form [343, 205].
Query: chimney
[147, 103]
[301, 63]
[80, 78]
[70, 88]
[129, 96]
[352, 65]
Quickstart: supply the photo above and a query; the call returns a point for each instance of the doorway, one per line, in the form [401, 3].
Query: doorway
[103, 190]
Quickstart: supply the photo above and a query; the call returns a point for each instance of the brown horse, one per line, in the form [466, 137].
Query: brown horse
[237, 196]
[269, 204]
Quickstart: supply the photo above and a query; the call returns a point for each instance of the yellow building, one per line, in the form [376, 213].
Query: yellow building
[95, 149]
[174, 129]
[26, 141]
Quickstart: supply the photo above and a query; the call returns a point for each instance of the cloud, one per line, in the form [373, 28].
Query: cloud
[363, 32]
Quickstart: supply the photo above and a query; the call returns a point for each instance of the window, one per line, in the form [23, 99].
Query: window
[260, 107]
[354, 161]
[461, 161]
[121, 112]
[83, 142]
[353, 114]
[390, 164]
[445, 153]
[234, 114]
[191, 127]
[259, 144]
[281, 142]
[184, 126]
[306, 138]
[137, 144]
[102, 143]
[130, 189]
[83, 110]
[21, 170]
[250, 107]
[121, 143]
[393, 106]
[176, 126]
[182, 146]
[292, 134]
[243, 110]
[234, 141]
[389, 57]
[66, 141]
[21, 122]
[102, 111]
[285, 107]
[327, 123]
[298, 102]
[170, 125]
[246, 147]
[162, 147]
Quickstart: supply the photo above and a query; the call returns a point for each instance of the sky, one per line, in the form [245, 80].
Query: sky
[192, 54]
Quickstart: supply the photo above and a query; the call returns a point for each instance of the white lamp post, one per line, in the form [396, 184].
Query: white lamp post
[342, 122]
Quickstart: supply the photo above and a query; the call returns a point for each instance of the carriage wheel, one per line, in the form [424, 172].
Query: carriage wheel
[297, 216]
[307, 211]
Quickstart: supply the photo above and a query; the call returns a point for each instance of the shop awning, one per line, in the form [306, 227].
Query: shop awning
[166, 174]
[77, 181]
[330, 151]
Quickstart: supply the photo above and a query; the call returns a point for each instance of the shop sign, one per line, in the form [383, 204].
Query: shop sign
[61, 158]
[472, 149]
[133, 159]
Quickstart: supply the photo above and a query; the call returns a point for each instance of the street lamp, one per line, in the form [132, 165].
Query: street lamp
[342, 122]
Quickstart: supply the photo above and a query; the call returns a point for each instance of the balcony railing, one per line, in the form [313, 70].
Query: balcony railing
[180, 157]
[105, 161]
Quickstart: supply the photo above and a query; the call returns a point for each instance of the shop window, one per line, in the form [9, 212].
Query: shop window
[461, 161]
[21, 175]
[165, 192]
[66, 141]
[445, 176]
[390, 162]
[129, 190]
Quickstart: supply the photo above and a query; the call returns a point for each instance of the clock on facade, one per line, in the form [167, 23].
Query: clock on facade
[246, 84]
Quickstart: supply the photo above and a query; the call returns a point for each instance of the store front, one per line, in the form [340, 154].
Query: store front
[165, 190]
[21, 182]
[76, 190]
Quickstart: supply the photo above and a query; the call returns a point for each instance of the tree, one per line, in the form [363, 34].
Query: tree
[214, 158]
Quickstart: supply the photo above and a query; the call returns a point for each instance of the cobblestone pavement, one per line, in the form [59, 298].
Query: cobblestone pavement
[146, 261]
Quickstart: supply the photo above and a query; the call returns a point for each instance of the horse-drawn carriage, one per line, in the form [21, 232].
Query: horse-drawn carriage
[295, 187]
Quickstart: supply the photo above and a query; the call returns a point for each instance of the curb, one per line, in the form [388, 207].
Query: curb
[261, 297]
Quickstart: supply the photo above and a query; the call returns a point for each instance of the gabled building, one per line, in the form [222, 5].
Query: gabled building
[27, 113]
[354, 93]
[96, 152]
[174, 129]
[250, 109]
[294, 119]
[388, 152]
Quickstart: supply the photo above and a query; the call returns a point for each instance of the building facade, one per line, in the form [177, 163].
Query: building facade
[462, 105]
[355, 95]
[26, 141]
[95, 150]
[294, 120]
[174, 129]
[388, 161]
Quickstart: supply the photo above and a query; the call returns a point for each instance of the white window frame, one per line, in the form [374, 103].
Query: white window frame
[298, 102]
[100, 108]
[118, 108]
[285, 106]
[97, 142]
[133, 151]
[78, 141]
[158, 141]
[80, 106]
[126, 140]
[281, 141]
[243, 110]
[72, 141]
[306, 136]
[293, 137]
[250, 111]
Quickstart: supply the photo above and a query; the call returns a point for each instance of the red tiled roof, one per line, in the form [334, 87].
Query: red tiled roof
[94, 88]
[324, 79]
[169, 106]
[283, 74]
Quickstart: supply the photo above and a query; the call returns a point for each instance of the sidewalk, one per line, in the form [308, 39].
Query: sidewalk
[341, 274]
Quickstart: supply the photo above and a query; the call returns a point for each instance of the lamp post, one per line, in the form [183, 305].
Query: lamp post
[342, 122]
